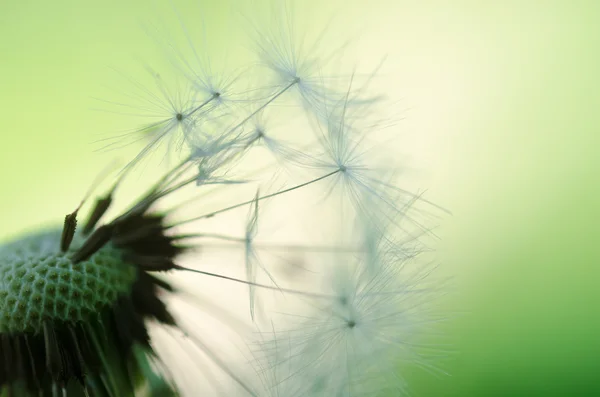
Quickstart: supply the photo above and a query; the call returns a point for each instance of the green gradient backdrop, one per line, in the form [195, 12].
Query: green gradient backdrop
[507, 103]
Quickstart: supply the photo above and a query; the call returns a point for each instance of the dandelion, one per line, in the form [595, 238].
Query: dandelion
[114, 305]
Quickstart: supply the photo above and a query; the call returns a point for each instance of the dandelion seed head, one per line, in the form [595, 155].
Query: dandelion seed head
[89, 301]
[38, 282]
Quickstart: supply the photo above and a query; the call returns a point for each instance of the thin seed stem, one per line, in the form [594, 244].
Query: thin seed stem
[264, 286]
[209, 100]
[256, 171]
[271, 246]
[178, 170]
[212, 235]
[154, 193]
[211, 214]
[213, 356]
[267, 103]
[189, 180]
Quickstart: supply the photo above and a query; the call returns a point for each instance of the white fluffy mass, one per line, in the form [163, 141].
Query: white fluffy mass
[312, 252]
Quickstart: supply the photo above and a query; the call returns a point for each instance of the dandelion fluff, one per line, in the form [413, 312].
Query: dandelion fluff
[278, 198]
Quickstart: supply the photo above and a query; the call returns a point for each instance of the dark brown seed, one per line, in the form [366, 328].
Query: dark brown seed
[68, 232]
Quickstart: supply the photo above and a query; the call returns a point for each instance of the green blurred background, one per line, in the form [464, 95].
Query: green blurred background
[505, 104]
